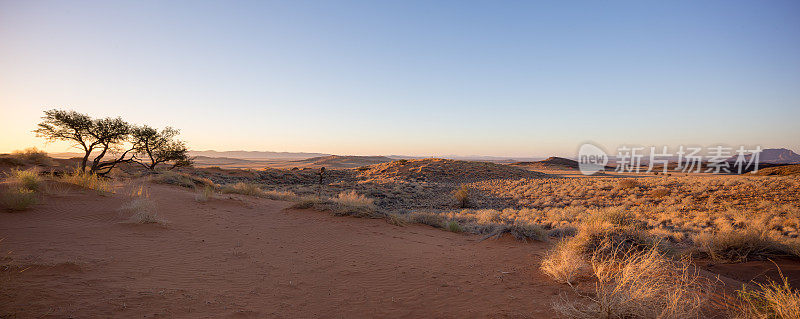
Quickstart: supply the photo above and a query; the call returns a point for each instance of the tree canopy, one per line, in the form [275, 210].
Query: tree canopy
[111, 141]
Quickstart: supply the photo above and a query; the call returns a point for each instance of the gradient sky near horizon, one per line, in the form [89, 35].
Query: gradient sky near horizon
[501, 78]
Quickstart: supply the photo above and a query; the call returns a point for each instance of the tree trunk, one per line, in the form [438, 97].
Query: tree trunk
[84, 160]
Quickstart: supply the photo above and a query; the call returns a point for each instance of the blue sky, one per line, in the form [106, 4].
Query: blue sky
[503, 78]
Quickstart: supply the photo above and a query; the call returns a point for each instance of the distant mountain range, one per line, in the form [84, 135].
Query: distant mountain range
[773, 156]
[344, 161]
[257, 154]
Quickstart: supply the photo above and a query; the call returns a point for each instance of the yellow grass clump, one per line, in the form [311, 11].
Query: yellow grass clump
[27, 179]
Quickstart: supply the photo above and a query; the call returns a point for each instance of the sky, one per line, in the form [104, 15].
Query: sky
[497, 78]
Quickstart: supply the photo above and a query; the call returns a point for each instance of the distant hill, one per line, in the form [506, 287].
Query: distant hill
[444, 170]
[556, 163]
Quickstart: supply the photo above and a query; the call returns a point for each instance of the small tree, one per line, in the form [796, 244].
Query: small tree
[155, 147]
[114, 135]
[103, 136]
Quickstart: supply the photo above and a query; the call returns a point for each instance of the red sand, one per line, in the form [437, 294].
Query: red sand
[244, 257]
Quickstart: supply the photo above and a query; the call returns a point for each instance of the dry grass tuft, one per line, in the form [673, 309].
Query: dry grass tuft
[353, 204]
[628, 183]
[204, 193]
[659, 192]
[770, 300]
[602, 238]
[279, 195]
[741, 245]
[643, 284]
[313, 202]
[242, 188]
[396, 219]
[142, 211]
[427, 218]
[251, 189]
[524, 232]
[565, 263]
[181, 179]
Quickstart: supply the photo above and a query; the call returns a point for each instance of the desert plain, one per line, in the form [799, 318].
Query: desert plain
[394, 238]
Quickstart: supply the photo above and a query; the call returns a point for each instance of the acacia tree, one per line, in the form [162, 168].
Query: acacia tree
[154, 147]
[103, 137]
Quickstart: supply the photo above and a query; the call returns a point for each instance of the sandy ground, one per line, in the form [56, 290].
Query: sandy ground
[242, 257]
